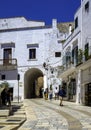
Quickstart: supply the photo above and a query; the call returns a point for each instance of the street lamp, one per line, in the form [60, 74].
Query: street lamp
[45, 66]
[18, 78]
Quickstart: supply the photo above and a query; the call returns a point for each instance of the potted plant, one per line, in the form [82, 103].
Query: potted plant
[80, 56]
[86, 54]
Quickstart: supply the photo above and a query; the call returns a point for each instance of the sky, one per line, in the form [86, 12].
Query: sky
[40, 10]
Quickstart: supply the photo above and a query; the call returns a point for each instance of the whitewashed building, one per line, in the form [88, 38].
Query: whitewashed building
[33, 56]
[76, 67]
[24, 48]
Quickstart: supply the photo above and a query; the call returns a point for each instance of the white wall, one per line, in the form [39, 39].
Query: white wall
[45, 37]
[19, 22]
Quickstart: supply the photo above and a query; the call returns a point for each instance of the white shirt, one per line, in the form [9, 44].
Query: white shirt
[56, 90]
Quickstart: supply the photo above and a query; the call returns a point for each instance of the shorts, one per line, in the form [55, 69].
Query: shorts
[60, 98]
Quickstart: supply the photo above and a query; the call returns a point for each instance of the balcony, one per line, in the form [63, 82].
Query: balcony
[66, 69]
[82, 61]
[83, 56]
[8, 64]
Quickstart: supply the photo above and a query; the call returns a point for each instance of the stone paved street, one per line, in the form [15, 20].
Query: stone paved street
[48, 115]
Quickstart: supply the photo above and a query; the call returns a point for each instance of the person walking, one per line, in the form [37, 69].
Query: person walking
[9, 98]
[46, 93]
[62, 94]
[50, 93]
[4, 96]
[56, 93]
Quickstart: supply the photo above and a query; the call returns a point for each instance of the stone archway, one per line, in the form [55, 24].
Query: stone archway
[33, 83]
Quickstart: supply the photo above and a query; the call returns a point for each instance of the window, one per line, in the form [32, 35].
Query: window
[57, 54]
[76, 22]
[3, 77]
[87, 6]
[32, 53]
[86, 51]
[75, 55]
[7, 56]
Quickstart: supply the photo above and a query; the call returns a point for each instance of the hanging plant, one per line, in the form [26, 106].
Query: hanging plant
[80, 55]
[86, 51]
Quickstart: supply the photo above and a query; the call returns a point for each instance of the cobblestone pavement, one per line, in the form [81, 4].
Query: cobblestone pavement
[48, 115]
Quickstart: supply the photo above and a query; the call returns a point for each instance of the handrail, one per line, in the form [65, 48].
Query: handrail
[8, 62]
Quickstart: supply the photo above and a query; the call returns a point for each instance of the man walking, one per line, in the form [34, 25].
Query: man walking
[62, 94]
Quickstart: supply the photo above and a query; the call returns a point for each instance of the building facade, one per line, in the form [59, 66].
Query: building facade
[34, 56]
[24, 48]
[76, 67]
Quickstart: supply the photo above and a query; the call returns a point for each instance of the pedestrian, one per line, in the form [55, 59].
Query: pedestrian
[56, 93]
[8, 98]
[4, 96]
[50, 93]
[46, 93]
[62, 94]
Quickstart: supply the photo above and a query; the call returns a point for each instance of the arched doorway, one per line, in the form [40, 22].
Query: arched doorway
[33, 83]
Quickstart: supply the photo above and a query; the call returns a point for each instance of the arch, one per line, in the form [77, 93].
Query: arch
[33, 83]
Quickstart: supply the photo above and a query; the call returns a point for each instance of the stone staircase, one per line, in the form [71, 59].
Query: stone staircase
[11, 118]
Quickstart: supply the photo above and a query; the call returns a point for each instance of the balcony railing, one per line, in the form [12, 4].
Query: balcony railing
[70, 63]
[8, 64]
[83, 56]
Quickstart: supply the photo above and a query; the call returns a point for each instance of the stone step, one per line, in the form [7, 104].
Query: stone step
[4, 113]
[20, 112]
[9, 127]
[12, 121]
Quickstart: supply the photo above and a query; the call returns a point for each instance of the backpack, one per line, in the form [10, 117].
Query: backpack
[62, 93]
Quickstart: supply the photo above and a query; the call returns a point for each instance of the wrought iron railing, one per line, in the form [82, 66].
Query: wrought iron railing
[79, 59]
[83, 56]
[8, 64]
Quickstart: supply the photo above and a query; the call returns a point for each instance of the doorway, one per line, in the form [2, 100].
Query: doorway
[7, 56]
[33, 83]
[88, 94]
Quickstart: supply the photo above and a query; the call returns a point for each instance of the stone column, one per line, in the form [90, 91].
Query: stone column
[78, 91]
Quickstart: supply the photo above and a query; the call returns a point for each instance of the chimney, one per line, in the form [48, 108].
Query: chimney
[70, 28]
[54, 24]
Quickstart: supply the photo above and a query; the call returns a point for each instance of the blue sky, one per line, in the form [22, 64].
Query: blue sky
[40, 10]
